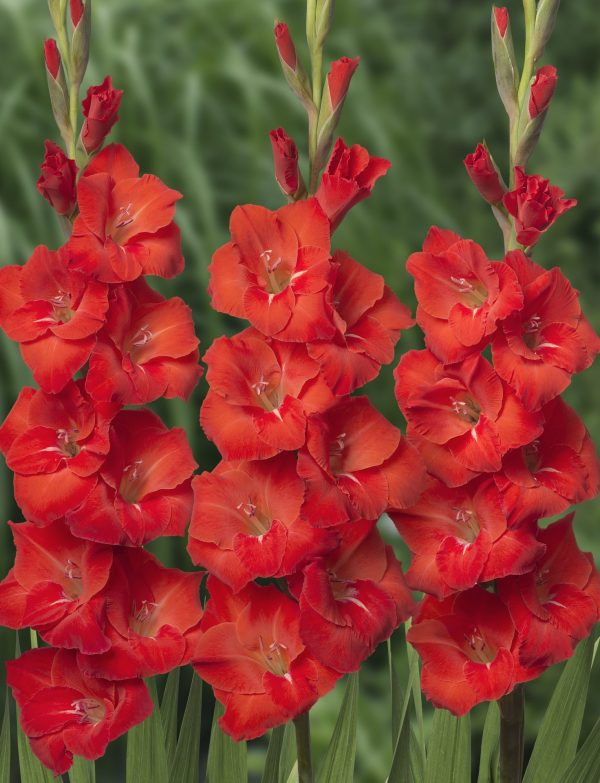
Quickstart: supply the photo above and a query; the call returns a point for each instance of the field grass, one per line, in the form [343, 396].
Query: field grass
[202, 90]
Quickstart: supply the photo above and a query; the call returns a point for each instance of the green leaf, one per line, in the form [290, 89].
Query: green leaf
[168, 714]
[557, 739]
[338, 765]
[82, 771]
[31, 769]
[227, 760]
[417, 745]
[280, 755]
[585, 767]
[401, 729]
[146, 752]
[449, 749]
[5, 743]
[186, 768]
[489, 771]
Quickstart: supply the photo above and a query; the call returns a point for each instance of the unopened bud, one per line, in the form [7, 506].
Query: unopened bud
[52, 57]
[81, 15]
[485, 175]
[542, 90]
[285, 160]
[505, 65]
[77, 9]
[545, 19]
[336, 87]
[323, 19]
[294, 73]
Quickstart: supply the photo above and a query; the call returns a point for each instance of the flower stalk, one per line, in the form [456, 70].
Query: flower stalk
[302, 727]
[512, 722]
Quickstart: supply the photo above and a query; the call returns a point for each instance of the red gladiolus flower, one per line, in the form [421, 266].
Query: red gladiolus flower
[276, 271]
[348, 178]
[535, 204]
[53, 313]
[100, 109]
[465, 642]
[542, 90]
[285, 159]
[356, 465]
[462, 295]
[144, 488]
[352, 599]
[466, 408]
[338, 80]
[461, 537]
[64, 713]
[539, 348]
[484, 174]
[369, 318]
[246, 521]
[55, 445]
[261, 393]
[56, 587]
[52, 57]
[152, 619]
[57, 179]
[556, 605]
[125, 225]
[148, 349]
[252, 654]
[501, 17]
[552, 472]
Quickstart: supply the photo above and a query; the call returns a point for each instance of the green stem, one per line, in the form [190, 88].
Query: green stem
[529, 7]
[34, 638]
[512, 721]
[302, 727]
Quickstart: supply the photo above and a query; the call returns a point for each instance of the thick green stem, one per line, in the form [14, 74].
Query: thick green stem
[34, 638]
[512, 721]
[529, 6]
[302, 726]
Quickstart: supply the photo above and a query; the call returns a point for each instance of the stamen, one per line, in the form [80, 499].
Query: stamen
[142, 336]
[463, 285]
[532, 325]
[124, 218]
[72, 570]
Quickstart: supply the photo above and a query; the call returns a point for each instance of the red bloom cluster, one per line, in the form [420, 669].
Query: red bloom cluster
[502, 451]
[306, 469]
[96, 482]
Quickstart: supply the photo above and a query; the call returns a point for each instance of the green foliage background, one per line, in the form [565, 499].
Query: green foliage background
[202, 90]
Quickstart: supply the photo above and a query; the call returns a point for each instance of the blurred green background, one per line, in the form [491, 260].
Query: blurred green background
[203, 88]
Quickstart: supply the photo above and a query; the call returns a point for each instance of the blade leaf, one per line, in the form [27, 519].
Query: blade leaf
[585, 767]
[146, 752]
[489, 760]
[449, 749]
[227, 760]
[82, 771]
[186, 768]
[168, 714]
[338, 765]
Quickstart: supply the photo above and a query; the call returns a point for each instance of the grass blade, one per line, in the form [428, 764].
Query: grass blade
[449, 749]
[146, 753]
[168, 714]
[557, 739]
[585, 767]
[338, 765]
[489, 759]
[5, 743]
[227, 761]
[186, 768]
[82, 771]
[274, 769]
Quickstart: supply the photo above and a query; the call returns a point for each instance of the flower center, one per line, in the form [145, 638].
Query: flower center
[476, 647]
[67, 442]
[87, 710]
[256, 523]
[531, 331]
[336, 453]
[473, 293]
[275, 657]
[276, 277]
[61, 306]
[140, 339]
[266, 395]
[141, 618]
[124, 217]
[73, 585]
[466, 409]
[130, 487]
[467, 524]
[531, 456]
[344, 591]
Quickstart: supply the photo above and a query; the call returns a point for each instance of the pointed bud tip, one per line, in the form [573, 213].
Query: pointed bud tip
[542, 90]
[338, 79]
[77, 9]
[502, 19]
[285, 45]
[52, 57]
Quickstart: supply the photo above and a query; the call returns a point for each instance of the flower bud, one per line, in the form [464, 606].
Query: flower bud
[285, 160]
[323, 19]
[545, 19]
[81, 15]
[485, 175]
[77, 9]
[338, 81]
[57, 179]
[100, 108]
[542, 90]
[293, 71]
[505, 65]
[52, 57]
